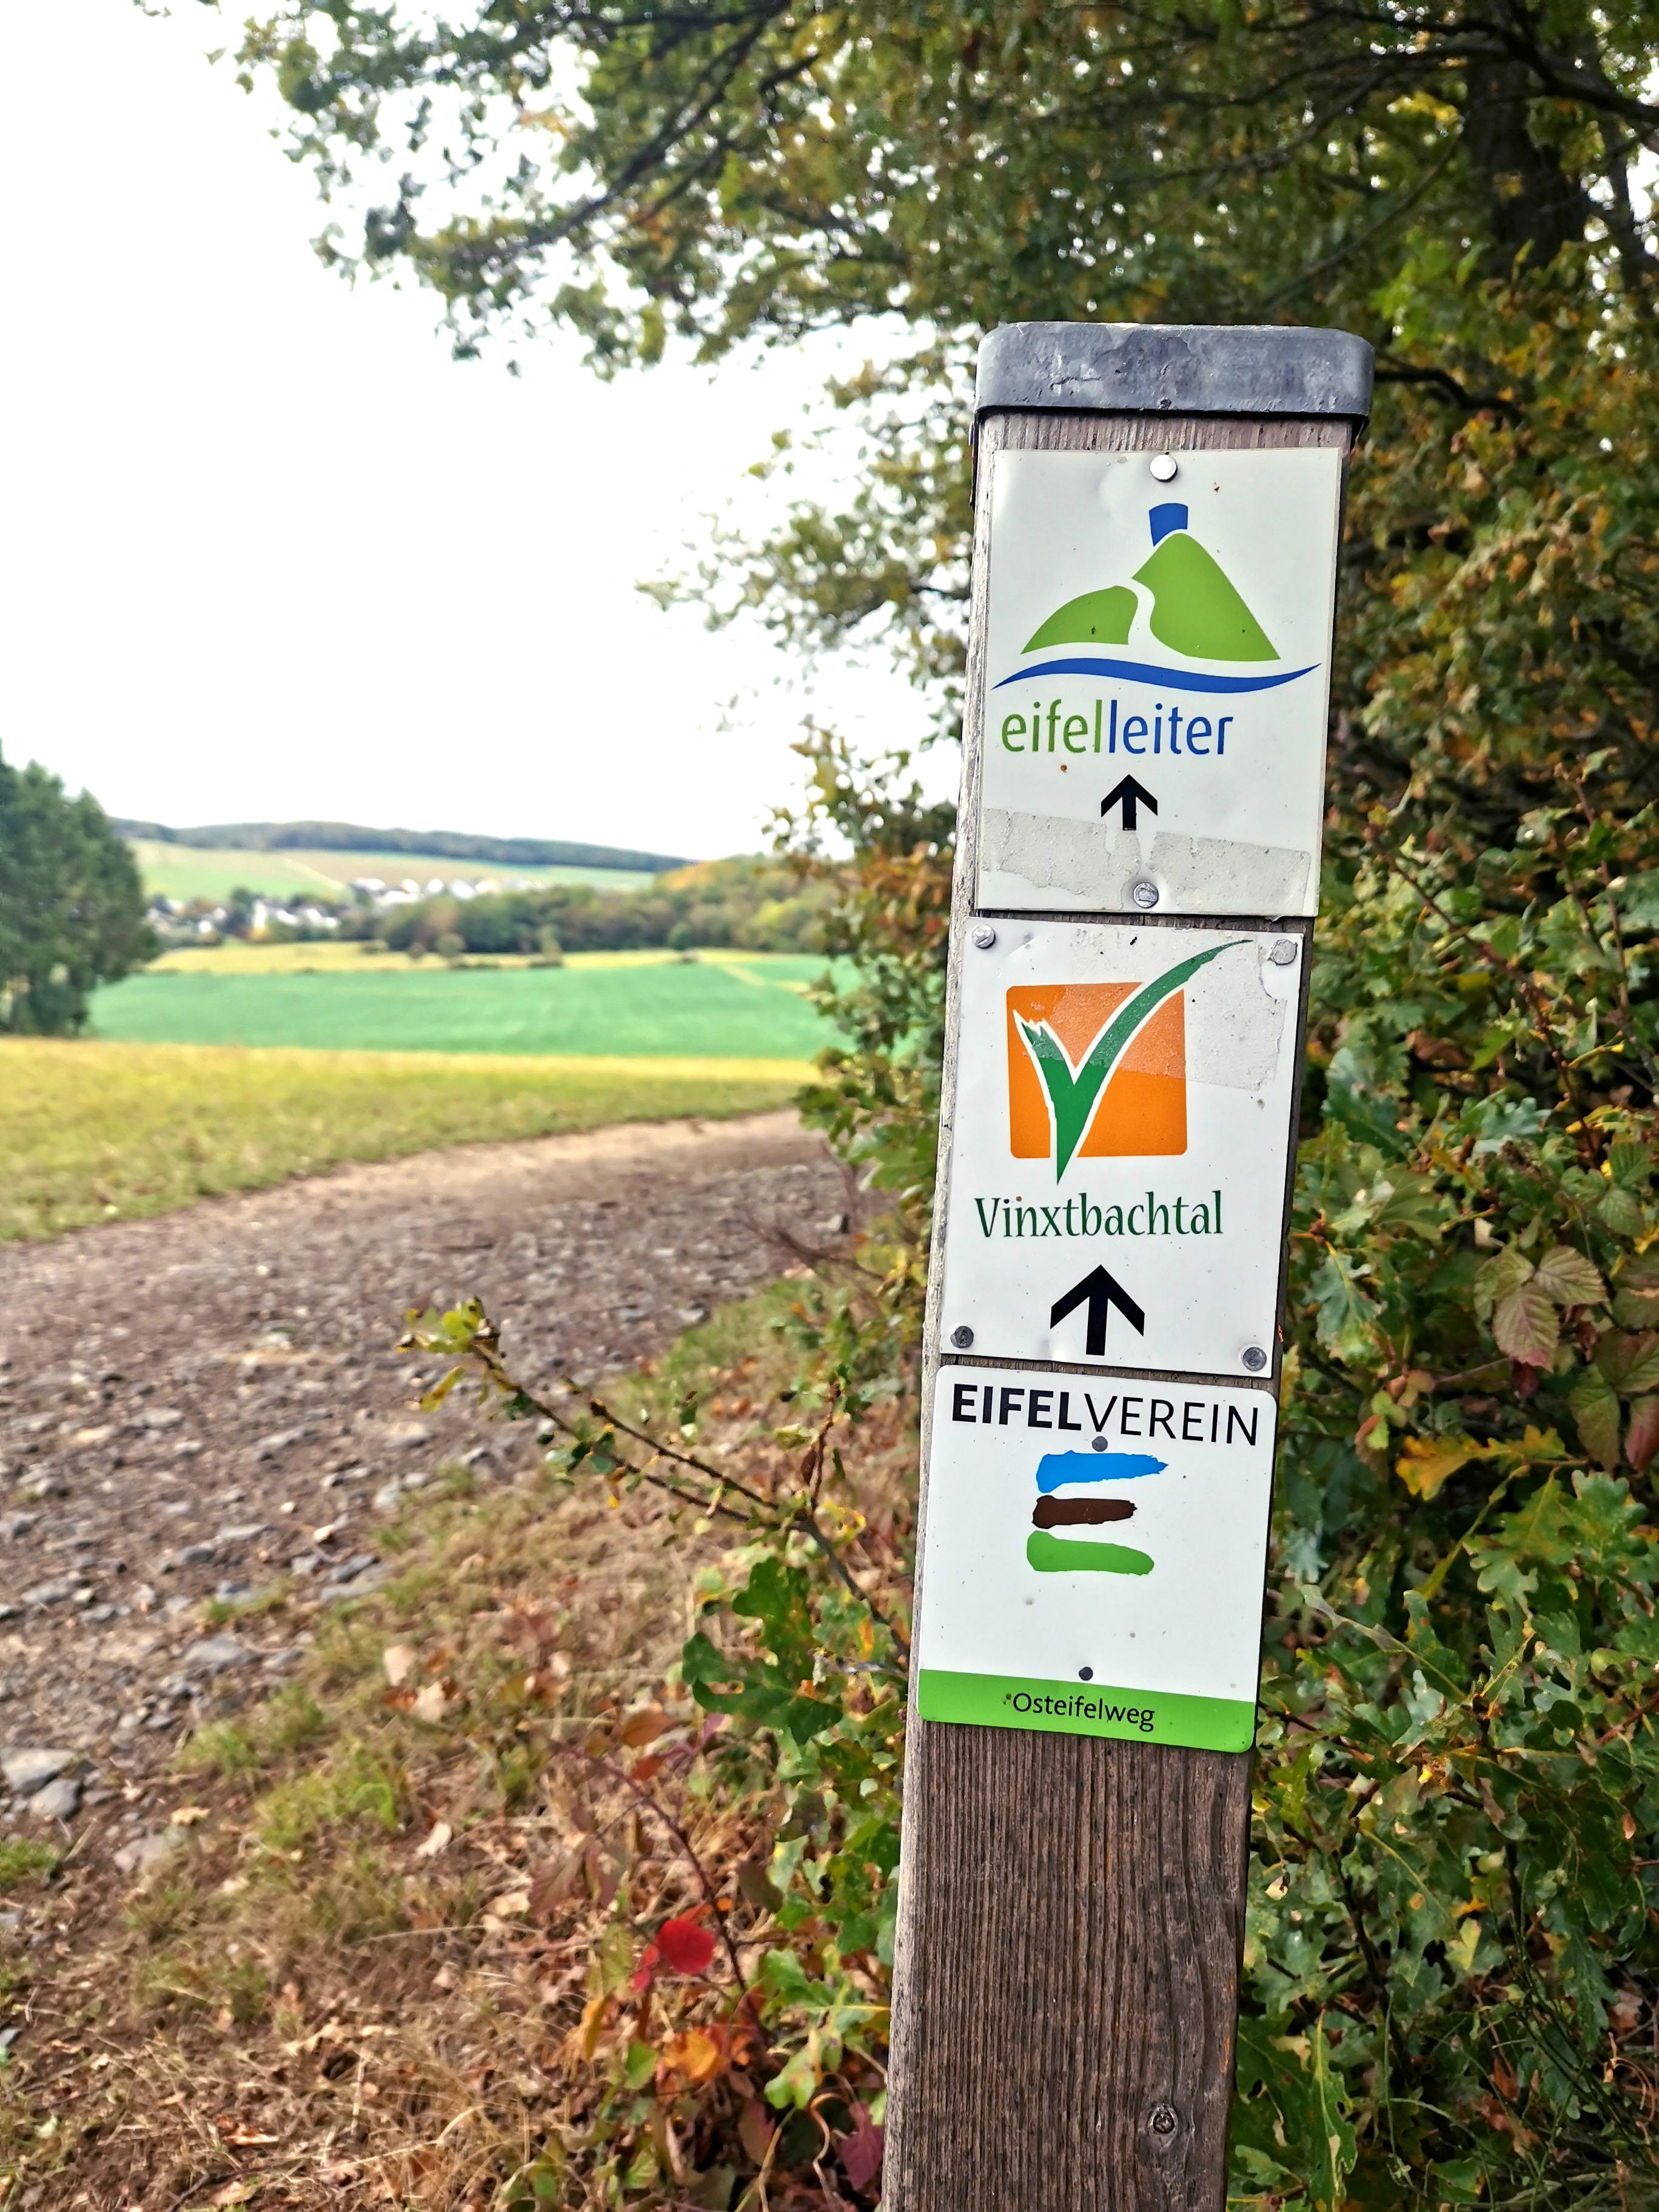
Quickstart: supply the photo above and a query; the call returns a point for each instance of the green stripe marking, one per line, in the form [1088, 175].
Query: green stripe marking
[1074, 1555]
[1023, 1701]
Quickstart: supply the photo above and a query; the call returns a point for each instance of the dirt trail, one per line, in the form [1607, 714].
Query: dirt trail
[197, 1405]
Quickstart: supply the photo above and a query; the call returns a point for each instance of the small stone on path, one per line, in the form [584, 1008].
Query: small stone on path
[212, 1654]
[32, 1765]
[58, 1801]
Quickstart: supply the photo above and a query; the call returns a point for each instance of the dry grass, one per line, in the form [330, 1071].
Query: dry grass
[390, 1964]
[94, 1132]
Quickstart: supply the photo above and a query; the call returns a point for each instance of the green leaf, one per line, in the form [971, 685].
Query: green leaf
[1631, 1164]
[1622, 1213]
[1630, 1362]
[1334, 2130]
[1344, 1312]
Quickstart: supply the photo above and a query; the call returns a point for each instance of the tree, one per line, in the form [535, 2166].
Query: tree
[71, 904]
[1451, 1960]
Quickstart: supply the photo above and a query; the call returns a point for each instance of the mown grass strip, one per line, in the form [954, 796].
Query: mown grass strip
[91, 1131]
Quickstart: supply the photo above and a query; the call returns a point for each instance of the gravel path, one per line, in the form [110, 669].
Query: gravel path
[193, 1406]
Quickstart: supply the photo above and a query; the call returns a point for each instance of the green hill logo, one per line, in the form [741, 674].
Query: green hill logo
[1193, 609]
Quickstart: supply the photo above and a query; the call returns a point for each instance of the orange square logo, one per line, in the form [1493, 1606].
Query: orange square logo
[1086, 1080]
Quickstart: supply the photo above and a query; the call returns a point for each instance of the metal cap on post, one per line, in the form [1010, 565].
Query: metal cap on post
[1072, 1888]
[1191, 368]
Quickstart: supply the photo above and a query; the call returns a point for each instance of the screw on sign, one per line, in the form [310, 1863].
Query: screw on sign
[1156, 513]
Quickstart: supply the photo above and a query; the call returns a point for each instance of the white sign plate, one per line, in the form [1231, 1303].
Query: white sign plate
[1157, 680]
[1093, 1554]
[1119, 1145]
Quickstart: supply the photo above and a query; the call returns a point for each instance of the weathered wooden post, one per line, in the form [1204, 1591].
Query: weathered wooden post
[1158, 513]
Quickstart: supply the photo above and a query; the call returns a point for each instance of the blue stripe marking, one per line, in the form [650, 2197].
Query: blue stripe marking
[1143, 671]
[1057, 1470]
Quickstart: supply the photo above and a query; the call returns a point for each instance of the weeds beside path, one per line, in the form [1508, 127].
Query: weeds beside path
[92, 1131]
[395, 1947]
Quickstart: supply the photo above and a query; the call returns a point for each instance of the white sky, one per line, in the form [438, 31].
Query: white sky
[269, 552]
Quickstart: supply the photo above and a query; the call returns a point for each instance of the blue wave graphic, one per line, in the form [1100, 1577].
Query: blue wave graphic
[1056, 1469]
[1144, 671]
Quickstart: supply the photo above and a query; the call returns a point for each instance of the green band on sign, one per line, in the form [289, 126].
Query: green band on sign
[1086, 1709]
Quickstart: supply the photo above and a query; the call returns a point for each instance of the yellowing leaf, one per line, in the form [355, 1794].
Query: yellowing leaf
[1425, 1462]
[398, 1660]
[432, 1702]
[696, 2056]
[1567, 1278]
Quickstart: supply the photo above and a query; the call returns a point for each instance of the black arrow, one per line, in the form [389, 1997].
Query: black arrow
[1102, 1291]
[1129, 795]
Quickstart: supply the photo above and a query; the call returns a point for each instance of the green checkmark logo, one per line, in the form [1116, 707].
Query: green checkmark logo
[1075, 1091]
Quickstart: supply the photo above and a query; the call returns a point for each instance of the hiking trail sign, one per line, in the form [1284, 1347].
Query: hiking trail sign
[1157, 516]
[1124, 1096]
[1168, 641]
[1108, 1493]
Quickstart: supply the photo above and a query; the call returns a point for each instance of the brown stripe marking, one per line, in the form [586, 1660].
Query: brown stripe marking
[1079, 1512]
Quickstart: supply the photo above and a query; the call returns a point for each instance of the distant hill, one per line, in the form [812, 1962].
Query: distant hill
[440, 844]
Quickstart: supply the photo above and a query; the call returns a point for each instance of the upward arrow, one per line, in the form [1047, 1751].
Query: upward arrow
[1129, 795]
[1101, 1291]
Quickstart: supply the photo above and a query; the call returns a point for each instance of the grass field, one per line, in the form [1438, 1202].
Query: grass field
[91, 1131]
[750, 1007]
[189, 871]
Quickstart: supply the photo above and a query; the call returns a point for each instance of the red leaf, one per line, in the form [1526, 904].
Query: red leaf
[1643, 1440]
[683, 1946]
[860, 2152]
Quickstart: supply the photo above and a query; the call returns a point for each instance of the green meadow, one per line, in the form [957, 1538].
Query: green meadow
[738, 1006]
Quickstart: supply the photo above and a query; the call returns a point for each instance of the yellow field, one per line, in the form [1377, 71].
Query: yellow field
[370, 957]
[92, 1131]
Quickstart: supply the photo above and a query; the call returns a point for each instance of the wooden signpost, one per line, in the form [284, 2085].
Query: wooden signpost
[1157, 519]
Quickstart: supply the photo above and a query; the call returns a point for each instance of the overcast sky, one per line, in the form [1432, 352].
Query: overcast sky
[269, 552]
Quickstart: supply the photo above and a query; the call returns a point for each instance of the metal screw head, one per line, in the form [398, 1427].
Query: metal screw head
[1097, 1443]
[1085, 1673]
[962, 1337]
[1164, 2120]
[1254, 1359]
[983, 935]
[1164, 467]
[1142, 894]
[1284, 951]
